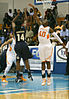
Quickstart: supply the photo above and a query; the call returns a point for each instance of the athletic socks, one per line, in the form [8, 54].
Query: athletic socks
[29, 75]
[48, 73]
[43, 74]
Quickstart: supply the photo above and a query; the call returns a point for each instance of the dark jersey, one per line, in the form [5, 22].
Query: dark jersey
[20, 35]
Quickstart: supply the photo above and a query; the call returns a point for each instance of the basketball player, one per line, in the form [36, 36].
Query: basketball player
[45, 46]
[10, 57]
[21, 48]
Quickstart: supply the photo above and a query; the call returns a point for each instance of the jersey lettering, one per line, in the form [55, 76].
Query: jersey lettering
[20, 37]
[43, 34]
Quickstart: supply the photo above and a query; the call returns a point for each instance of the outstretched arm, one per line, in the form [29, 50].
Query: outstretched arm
[6, 43]
[35, 14]
[13, 21]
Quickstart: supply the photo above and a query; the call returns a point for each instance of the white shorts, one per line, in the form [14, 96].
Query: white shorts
[10, 59]
[45, 52]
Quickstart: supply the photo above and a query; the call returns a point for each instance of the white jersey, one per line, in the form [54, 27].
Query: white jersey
[45, 46]
[44, 35]
[10, 49]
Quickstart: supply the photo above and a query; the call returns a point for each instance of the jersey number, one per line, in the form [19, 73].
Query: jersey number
[43, 34]
[20, 37]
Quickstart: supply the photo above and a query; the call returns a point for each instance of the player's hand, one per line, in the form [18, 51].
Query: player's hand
[31, 5]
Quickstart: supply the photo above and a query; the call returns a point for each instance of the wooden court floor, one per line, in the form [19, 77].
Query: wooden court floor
[59, 88]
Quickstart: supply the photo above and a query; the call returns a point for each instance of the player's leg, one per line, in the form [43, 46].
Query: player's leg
[9, 64]
[28, 68]
[43, 74]
[48, 73]
[21, 69]
[19, 73]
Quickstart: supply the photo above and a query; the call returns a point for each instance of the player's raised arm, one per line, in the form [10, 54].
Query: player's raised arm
[18, 13]
[13, 21]
[35, 14]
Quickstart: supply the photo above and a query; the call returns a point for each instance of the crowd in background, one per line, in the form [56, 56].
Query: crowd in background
[31, 25]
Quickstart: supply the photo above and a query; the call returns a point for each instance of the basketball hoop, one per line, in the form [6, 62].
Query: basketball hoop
[47, 3]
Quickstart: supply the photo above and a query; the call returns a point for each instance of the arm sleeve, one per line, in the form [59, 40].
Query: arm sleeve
[57, 37]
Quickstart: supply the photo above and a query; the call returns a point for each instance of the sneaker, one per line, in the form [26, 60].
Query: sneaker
[49, 81]
[18, 80]
[43, 81]
[30, 77]
[23, 78]
[4, 80]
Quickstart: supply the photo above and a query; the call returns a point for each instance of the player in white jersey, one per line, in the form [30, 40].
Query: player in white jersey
[45, 46]
[10, 57]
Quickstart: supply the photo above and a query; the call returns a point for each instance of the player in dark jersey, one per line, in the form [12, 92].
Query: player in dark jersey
[21, 48]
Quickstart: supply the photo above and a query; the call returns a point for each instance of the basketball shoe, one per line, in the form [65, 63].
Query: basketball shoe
[43, 81]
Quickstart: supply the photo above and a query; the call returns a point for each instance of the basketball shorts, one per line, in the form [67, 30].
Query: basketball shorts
[10, 58]
[45, 52]
[22, 50]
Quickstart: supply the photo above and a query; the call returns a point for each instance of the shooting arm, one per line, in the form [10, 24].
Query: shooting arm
[35, 14]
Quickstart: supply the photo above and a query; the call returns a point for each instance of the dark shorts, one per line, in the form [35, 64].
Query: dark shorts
[22, 50]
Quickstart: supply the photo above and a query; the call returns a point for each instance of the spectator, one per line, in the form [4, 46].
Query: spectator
[6, 20]
[10, 13]
[15, 13]
[29, 35]
[38, 13]
[31, 12]
[67, 17]
[64, 34]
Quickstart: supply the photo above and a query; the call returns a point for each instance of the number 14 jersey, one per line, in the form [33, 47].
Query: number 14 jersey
[20, 35]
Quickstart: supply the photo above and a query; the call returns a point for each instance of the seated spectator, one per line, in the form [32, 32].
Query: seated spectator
[64, 34]
[29, 35]
[67, 17]
[67, 26]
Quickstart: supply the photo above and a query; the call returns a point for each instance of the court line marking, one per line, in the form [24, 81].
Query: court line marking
[28, 89]
[14, 90]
